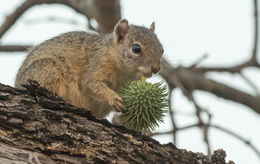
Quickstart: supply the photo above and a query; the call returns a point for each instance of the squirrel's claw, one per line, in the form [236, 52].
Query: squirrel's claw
[116, 103]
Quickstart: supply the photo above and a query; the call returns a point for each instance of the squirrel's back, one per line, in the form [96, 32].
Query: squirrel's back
[64, 51]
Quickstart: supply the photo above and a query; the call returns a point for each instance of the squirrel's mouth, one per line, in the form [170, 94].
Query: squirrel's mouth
[143, 75]
[143, 72]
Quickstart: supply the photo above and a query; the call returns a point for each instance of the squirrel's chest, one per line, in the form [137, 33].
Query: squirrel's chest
[115, 81]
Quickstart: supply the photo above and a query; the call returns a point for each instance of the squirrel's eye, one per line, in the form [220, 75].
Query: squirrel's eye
[162, 51]
[136, 48]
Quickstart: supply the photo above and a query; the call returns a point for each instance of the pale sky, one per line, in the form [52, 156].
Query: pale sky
[187, 29]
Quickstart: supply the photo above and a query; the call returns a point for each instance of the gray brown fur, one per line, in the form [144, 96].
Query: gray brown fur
[88, 69]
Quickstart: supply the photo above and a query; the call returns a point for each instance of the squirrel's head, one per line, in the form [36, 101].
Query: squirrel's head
[139, 48]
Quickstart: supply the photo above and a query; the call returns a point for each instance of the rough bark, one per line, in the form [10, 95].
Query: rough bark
[39, 127]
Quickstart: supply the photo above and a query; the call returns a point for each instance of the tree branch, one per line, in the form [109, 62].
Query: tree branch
[14, 48]
[36, 124]
[11, 19]
[93, 9]
[192, 80]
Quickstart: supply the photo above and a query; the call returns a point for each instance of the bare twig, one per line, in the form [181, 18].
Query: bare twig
[188, 92]
[199, 60]
[232, 69]
[171, 131]
[179, 129]
[201, 123]
[171, 112]
[256, 25]
[206, 134]
[253, 86]
[233, 134]
[220, 128]
[14, 48]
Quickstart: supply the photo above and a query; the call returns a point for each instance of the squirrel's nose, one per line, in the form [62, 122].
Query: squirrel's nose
[156, 68]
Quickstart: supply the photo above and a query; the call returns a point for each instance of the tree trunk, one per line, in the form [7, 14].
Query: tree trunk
[39, 127]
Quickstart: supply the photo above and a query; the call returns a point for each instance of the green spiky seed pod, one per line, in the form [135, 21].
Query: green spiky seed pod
[144, 103]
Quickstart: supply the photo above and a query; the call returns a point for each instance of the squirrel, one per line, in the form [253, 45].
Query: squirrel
[88, 69]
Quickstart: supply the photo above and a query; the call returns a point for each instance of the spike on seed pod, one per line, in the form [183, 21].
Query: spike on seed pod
[145, 104]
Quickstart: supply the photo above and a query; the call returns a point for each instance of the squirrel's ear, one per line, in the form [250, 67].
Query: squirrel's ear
[152, 27]
[121, 30]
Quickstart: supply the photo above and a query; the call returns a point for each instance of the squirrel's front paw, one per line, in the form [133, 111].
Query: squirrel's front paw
[116, 103]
